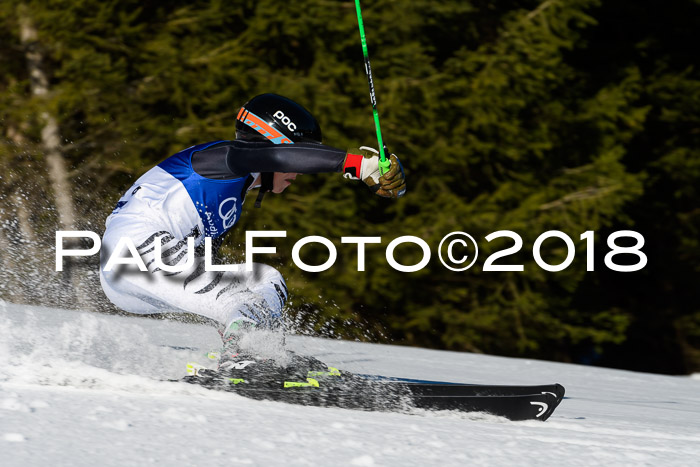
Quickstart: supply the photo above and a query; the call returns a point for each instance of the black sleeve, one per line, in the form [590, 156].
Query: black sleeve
[232, 159]
[304, 158]
[211, 163]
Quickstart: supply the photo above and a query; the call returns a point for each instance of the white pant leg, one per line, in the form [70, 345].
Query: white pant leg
[256, 296]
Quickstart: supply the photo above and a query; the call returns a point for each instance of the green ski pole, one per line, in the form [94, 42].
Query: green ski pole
[384, 163]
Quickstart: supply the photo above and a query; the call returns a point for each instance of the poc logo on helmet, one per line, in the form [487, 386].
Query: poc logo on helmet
[279, 115]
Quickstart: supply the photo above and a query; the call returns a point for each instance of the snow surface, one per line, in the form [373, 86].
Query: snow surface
[82, 389]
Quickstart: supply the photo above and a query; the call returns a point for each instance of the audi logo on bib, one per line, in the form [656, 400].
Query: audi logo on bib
[228, 217]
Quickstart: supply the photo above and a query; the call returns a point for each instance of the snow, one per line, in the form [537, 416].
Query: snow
[80, 388]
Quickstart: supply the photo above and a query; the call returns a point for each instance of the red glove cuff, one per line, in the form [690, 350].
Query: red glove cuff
[353, 165]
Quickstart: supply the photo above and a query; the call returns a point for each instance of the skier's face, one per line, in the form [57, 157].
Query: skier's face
[282, 180]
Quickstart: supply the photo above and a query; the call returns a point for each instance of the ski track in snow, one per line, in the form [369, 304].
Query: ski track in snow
[80, 388]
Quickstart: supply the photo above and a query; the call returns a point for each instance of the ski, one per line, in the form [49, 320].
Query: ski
[442, 388]
[557, 392]
[354, 392]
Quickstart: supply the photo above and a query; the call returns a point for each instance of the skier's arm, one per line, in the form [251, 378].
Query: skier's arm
[303, 158]
[232, 159]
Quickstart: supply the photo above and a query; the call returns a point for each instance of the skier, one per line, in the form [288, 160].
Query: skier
[199, 192]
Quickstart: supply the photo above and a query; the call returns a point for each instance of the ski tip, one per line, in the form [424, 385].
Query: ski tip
[548, 407]
[554, 399]
[560, 391]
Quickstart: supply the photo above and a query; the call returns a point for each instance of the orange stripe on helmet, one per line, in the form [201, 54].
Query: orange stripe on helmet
[266, 130]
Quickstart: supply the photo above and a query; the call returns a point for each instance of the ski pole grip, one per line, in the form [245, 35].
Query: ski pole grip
[384, 160]
[384, 166]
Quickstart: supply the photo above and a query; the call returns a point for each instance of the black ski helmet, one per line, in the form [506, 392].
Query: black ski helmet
[271, 117]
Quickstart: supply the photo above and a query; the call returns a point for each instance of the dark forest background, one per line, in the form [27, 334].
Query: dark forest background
[572, 115]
